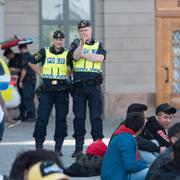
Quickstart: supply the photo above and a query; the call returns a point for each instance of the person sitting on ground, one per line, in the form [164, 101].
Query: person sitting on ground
[148, 149]
[170, 170]
[45, 170]
[174, 135]
[159, 124]
[26, 159]
[88, 164]
[122, 158]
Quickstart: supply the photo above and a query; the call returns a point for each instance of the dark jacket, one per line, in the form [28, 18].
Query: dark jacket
[169, 171]
[147, 145]
[157, 131]
[159, 162]
[85, 166]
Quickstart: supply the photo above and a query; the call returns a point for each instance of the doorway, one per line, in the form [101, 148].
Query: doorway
[167, 52]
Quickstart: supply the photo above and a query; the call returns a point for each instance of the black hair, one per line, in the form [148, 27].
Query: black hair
[26, 159]
[137, 107]
[174, 131]
[176, 151]
[135, 121]
[22, 46]
[7, 51]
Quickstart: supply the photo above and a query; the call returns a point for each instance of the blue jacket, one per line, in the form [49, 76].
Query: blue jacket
[120, 158]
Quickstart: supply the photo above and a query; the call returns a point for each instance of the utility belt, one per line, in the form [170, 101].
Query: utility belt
[54, 85]
[84, 83]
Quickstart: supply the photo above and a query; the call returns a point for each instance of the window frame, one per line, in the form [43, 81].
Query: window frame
[66, 22]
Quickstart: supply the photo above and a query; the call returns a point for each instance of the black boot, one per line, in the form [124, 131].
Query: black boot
[21, 116]
[39, 144]
[31, 117]
[58, 146]
[78, 148]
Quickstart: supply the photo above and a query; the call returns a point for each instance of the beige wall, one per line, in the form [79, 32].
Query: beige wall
[127, 29]
[22, 18]
[1, 23]
[129, 68]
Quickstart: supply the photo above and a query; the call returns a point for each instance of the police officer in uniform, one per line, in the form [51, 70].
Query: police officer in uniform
[15, 67]
[54, 73]
[28, 83]
[88, 56]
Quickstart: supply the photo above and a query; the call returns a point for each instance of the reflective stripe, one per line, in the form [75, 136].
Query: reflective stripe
[51, 76]
[87, 70]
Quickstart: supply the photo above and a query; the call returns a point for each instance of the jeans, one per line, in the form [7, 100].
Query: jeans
[89, 95]
[148, 157]
[139, 175]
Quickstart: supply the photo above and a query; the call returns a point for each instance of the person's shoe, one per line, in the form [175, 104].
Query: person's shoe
[20, 117]
[58, 146]
[76, 153]
[31, 117]
[39, 145]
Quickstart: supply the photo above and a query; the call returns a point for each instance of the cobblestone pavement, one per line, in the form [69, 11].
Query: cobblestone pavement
[19, 138]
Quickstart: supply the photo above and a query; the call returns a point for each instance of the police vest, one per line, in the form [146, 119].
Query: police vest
[85, 65]
[55, 66]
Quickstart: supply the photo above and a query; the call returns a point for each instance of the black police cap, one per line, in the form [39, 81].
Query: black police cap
[22, 46]
[7, 51]
[83, 24]
[58, 34]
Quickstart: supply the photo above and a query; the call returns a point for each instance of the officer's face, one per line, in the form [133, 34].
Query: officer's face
[58, 42]
[85, 33]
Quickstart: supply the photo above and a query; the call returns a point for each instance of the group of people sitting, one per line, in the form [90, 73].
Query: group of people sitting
[140, 148]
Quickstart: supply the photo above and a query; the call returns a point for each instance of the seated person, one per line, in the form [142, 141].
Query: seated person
[122, 158]
[25, 160]
[159, 124]
[170, 170]
[174, 135]
[148, 149]
[90, 163]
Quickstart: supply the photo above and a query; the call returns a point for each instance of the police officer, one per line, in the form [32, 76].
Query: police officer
[88, 56]
[15, 67]
[54, 73]
[28, 83]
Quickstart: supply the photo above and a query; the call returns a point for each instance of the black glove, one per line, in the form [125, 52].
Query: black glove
[75, 43]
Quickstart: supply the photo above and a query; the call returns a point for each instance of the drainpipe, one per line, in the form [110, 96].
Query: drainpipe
[1, 22]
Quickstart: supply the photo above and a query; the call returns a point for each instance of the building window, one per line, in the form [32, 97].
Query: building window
[64, 15]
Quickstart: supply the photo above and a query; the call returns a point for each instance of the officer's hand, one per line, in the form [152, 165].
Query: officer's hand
[162, 149]
[84, 39]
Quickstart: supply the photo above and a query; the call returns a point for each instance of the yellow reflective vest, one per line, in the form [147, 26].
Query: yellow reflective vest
[85, 65]
[55, 66]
